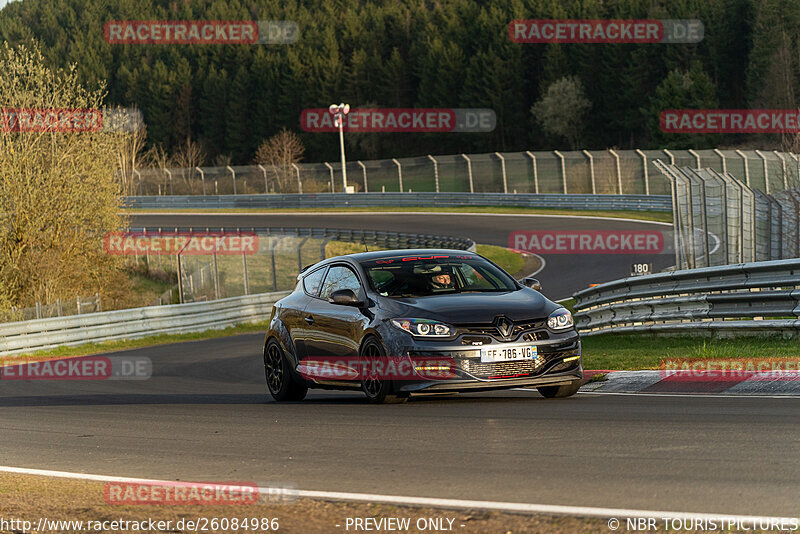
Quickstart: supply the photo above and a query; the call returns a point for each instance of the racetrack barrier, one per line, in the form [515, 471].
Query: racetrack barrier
[745, 298]
[398, 200]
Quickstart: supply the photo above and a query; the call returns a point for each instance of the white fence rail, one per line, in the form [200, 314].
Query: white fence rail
[40, 334]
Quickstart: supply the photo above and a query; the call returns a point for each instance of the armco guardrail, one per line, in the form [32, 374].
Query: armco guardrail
[28, 336]
[745, 298]
[370, 237]
[362, 200]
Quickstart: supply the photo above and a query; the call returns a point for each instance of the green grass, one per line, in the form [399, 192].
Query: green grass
[629, 352]
[149, 341]
[509, 261]
[659, 216]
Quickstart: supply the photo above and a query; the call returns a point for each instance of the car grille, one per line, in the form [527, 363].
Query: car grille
[533, 331]
[501, 369]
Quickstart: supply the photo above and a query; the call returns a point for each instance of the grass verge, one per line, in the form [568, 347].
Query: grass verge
[658, 216]
[631, 352]
[30, 497]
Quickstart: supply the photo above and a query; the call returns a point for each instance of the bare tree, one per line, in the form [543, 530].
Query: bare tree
[187, 158]
[279, 152]
[128, 156]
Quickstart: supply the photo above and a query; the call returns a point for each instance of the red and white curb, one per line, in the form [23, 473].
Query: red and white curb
[782, 383]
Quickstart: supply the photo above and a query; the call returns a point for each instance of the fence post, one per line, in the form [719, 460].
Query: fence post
[364, 172]
[216, 277]
[300, 254]
[38, 310]
[244, 272]
[139, 175]
[330, 169]
[591, 170]
[180, 277]
[619, 170]
[785, 176]
[202, 179]
[766, 171]
[264, 171]
[233, 177]
[170, 181]
[746, 167]
[78, 300]
[671, 157]
[59, 308]
[399, 173]
[535, 172]
[469, 173]
[563, 169]
[435, 171]
[299, 183]
[696, 156]
[99, 303]
[722, 158]
[646, 174]
[503, 169]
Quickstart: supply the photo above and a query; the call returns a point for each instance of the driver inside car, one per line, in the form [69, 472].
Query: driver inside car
[442, 281]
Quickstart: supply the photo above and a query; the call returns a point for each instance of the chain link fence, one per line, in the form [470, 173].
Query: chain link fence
[585, 172]
[722, 220]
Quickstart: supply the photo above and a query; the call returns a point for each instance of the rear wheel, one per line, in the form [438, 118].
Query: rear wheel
[558, 392]
[280, 382]
[377, 389]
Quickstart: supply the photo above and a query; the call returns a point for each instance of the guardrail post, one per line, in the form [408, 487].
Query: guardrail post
[722, 159]
[38, 310]
[696, 157]
[619, 170]
[264, 171]
[646, 174]
[535, 171]
[170, 181]
[330, 169]
[563, 169]
[766, 171]
[78, 300]
[59, 308]
[399, 173]
[591, 170]
[233, 177]
[503, 169]
[299, 183]
[785, 173]
[435, 171]
[364, 172]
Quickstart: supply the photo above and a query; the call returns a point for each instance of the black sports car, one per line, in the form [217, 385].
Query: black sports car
[393, 323]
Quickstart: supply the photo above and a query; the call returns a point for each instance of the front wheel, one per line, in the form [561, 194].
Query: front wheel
[558, 392]
[377, 389]
[280, 382]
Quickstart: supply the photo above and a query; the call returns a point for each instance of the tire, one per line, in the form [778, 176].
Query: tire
[280, 382]
[559, 392]
[379, 391]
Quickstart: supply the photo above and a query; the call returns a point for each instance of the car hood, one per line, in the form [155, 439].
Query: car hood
[462, 308]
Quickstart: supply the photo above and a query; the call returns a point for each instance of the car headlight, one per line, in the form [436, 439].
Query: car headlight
[424, 327]
[561, 319]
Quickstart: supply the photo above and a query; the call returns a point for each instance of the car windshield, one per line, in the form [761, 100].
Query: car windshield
[421, 276]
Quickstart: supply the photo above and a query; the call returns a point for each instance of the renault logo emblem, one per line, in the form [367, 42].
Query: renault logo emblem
[503, 325]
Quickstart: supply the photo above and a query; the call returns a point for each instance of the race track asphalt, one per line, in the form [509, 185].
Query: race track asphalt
[562, 275]
[204, 416]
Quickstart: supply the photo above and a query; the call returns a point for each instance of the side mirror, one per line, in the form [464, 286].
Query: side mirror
[532, 283]
[345, 297]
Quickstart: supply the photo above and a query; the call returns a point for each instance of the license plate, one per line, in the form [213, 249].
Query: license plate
[509, 354]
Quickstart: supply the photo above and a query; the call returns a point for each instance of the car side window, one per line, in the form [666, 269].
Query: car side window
[312, 281]
[340, 277]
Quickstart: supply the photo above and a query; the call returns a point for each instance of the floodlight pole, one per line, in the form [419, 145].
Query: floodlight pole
[339, 111]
